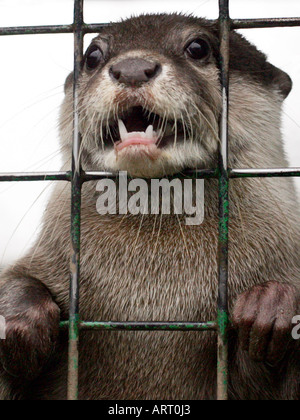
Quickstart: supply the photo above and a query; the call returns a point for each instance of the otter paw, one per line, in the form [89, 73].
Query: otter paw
[31, 336]
[263, 317]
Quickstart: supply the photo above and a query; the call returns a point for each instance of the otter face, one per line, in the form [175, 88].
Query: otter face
[150, 96]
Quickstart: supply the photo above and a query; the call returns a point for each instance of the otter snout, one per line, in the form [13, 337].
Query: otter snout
[134, 71]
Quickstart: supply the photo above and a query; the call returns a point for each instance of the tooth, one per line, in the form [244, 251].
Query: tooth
[122, 130]
[136, 133]
[149, 132]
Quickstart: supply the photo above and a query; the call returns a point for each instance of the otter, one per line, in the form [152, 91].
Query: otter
[157, 76]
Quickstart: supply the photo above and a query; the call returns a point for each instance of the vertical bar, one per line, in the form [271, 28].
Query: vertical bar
[224, 28]
[76, 185]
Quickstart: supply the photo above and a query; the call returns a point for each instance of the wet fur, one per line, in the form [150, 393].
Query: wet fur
[154, 268]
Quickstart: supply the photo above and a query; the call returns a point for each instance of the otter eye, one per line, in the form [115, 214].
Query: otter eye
[198, 49]
[94, 57]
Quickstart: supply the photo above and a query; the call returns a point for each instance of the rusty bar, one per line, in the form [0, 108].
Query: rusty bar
[210, 173]
[222, 375]
[75, 213]
[94, 27]
[265, 23]
[51, 29]
[199, 173]
[264, 173]
[97, 27]
[37, 30]
[35, 176]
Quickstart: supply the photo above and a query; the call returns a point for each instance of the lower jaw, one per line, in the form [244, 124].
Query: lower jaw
[138, 153]
[141, 161]
[140, 164]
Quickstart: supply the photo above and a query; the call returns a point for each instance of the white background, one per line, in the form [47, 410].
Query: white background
[33, 70]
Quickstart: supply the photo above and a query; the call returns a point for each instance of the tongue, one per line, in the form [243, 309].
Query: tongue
[146, 138]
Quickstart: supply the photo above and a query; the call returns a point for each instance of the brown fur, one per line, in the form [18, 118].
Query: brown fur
[155, 268]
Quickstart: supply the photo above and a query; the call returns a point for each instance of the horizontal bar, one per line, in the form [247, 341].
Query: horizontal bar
[212, 173]
[97, 27]
[51, 29]
[199, 173]
[94, 27]
[145, 326]
[97, 175]
[264, 23]
[264, 173]
[35, 30]
[35, 176]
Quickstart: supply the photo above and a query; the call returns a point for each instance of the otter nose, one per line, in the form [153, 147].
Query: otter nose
[134, 71]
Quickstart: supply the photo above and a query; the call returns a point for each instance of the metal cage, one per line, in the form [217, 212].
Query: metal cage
[76, 176]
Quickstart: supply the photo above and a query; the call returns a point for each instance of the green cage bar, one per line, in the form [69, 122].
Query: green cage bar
[76, 185]
[223, 319]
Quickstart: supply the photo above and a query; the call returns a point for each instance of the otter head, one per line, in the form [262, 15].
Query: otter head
[150, 94]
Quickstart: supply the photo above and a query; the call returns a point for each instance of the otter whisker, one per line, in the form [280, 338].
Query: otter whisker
[50, 223]
[191, 126]
[175, 129]
[21, 221]
[209, 125]
[107, 121]
[184, 128]
[84, 139]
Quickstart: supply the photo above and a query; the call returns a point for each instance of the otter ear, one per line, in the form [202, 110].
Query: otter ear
[69, 82]
[280, 80]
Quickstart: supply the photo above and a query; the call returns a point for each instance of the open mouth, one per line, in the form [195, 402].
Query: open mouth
[139, 127]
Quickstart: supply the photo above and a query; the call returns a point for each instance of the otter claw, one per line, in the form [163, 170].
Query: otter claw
[263, 317]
